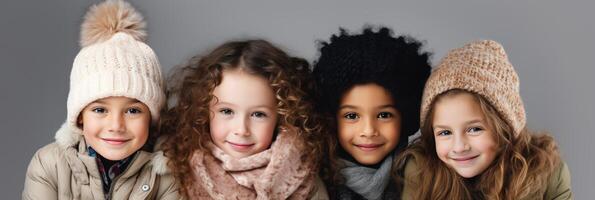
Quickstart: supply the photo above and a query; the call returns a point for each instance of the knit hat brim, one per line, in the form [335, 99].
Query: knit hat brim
[483, 68]
[114, 84]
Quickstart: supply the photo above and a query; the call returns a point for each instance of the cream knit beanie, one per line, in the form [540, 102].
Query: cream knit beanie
[481, 67]
[113, 61]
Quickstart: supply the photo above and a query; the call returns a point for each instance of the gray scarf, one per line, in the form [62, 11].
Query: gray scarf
[368, 182]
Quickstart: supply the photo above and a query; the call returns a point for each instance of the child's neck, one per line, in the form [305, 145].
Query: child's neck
[344, 155]
[106, 162]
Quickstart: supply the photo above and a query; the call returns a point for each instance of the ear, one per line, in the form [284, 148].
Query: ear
[79, 121]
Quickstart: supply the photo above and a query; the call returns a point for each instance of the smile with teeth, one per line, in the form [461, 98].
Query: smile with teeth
[240, 146]
[368, 147]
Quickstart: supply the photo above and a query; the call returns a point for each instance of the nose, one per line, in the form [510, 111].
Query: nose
[117, 123]
[461, 144]
[241, 127]
[368, 127]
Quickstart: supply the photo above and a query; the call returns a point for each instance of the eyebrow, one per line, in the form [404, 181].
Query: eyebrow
[474, 121]
[378, 107]
[129, 100]
[258, 106]
[386, 106]
[466, 123]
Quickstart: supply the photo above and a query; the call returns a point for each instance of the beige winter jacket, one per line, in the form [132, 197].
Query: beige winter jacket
[63, 170]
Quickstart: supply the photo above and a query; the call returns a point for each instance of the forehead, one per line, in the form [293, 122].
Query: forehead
[367, 95]
[240, 87]
[457, 108]
[116, 100]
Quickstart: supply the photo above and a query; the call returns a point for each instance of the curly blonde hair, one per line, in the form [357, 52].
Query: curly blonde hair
[521, 168]
[187, 122]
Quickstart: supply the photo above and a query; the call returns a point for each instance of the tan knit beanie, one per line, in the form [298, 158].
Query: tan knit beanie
[113, 61]
[481, 67]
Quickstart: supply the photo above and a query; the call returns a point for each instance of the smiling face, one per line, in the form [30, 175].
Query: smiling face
[464, 139]
[243, 114]
[368, 123]
[115, 127]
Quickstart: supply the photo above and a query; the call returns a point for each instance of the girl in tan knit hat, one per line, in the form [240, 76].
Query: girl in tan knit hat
[474, 143]
[104, 150]
[241, 127]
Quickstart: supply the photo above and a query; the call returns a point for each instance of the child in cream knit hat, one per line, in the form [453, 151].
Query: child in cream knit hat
[474, 143]
[104, 149]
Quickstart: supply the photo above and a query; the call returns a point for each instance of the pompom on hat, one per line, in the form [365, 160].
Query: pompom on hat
[480, 67]
[113, 61]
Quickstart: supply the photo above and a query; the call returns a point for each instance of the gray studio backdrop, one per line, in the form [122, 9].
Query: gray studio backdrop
[551, 44]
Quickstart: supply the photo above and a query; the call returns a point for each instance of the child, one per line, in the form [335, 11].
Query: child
[474, 143]
[370, 87]
[242, 127]
[103, 150]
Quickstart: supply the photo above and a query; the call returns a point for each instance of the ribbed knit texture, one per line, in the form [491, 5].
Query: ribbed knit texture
[120, 65]
[481, 67]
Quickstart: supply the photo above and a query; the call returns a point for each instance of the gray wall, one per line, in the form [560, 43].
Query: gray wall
[550, 43]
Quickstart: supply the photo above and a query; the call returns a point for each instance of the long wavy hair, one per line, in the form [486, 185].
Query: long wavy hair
[191, 88]
[521, 168]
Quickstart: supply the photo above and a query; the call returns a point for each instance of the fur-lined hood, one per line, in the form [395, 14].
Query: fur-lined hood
[64, 170]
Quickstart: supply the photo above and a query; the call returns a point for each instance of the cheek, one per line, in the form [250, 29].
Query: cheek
[346, 132]
[264, 131]
[91, 125]
[218, 129]
[487, 146]
[139, 127]
[390, 131]
[442, 148]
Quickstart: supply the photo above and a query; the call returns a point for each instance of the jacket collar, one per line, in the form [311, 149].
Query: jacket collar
[136, 164]
[71, 139]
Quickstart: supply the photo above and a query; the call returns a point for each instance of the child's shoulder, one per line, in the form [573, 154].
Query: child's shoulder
[51, 150]
[45, 164]
[559, 185]
[410, 169]
[50, 153]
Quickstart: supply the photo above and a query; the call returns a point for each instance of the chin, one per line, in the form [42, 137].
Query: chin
[115, 157]
[368, 161]
[467, 174]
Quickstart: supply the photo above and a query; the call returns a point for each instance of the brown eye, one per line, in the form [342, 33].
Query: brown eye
[259, 114]
[351, 116]
[99, 110]
[384, 115]
[133, 111]
[444, 133]
[226, 111]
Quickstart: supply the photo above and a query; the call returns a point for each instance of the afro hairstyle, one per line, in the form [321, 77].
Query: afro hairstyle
[394, 63]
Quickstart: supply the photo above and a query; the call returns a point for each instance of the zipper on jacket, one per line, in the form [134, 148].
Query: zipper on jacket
[115, 180]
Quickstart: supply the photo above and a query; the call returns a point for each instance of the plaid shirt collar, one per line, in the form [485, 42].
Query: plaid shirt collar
[108, 173]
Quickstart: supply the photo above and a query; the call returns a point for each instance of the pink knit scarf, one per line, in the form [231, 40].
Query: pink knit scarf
[276, 173]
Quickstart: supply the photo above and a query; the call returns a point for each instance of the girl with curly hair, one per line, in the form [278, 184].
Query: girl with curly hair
[474, 142]
[242, 126]
[369, 90]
